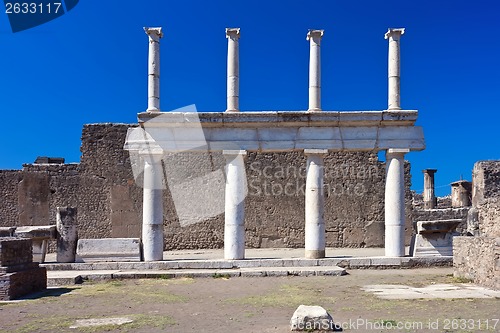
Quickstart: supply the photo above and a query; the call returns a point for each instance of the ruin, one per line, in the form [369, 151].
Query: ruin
[321, 165]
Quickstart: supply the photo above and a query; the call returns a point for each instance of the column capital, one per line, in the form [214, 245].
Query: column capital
[397, 151]
[312, 33]
[315, 151]
[429, 171]
[154, 33]
[395, 33]
[233, 33]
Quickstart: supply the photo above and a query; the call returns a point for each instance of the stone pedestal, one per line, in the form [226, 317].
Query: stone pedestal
[234, 216]
[394, 100]
[152, 218]
[314, 38]
[395, 203]
[67, 234]
[315, 204]
[233, 69]
[434, 238]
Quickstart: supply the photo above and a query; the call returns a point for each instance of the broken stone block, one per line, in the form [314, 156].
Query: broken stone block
[40, 235]
[311, 318]
[108, 249]
[434, 238]
[67, 234]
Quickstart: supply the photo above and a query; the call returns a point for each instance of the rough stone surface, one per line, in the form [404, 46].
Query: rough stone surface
[108, 249]
[311, 318]
[110, 202]
[67, 234]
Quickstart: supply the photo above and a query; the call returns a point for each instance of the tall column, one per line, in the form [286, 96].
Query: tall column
[236, 189]
[394, 35]
[430, 200]
[152, 208]
[315, 202]
[233, 69]
[395, 203]
[154, 35]
[314, 38]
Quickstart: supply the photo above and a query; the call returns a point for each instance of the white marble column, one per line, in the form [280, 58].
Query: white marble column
[233, 69]
[234, 226]
[154, 35]
[395, 203]
[152, 208]
[315, 202]
[314, 38]
[394, 35]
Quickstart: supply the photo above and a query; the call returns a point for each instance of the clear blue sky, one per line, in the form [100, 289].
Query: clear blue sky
[90, 66]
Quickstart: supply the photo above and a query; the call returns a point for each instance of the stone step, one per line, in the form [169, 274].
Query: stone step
[348, 262]
[58, 278]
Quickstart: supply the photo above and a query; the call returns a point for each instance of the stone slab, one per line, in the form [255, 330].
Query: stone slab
[43, 232]
[108, 249]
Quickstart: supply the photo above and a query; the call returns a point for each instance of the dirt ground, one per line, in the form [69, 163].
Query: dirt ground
[240, 304]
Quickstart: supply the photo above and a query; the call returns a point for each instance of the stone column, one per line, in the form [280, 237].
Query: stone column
[314, 38]
[236, 189]
[430, 200]
[461, 194]
[233, 69]
[315, 202]
[394, 35]
[395, 203]
[152, 208]
[154, 35]
[67, 233]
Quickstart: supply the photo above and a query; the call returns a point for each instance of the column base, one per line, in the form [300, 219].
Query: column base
[314, 254]
[314, 110]
[228, 110]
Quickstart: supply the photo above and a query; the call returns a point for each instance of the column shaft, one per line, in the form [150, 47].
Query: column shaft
[315, 202]
[395, 203]
[236, 189]
[233, 69]
[314, 37]
[394, 100]
[154, 35]
[430, 200]
[152, 209]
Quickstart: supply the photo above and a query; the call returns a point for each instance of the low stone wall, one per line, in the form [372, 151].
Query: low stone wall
[477, 259]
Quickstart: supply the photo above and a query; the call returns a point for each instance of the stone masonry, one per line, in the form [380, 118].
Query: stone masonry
[478, 258]
[19, 275]
[110, 202]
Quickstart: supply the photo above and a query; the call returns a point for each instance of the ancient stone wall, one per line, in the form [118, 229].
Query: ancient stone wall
[9, 213]
[109, 199]
[478, 258]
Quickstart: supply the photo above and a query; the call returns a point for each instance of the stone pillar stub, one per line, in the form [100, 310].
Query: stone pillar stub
[461, 194]
[67, 234]
[234, 212]
[394, 99]
[315, 241]
[430, 200]
[154, 34]
[314, 37]
[233, 69]
[395, 203]
[152, 211]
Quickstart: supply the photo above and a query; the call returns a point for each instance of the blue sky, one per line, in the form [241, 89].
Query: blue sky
[90, 66]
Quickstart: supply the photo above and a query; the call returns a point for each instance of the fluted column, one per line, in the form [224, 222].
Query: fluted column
[233, 69]
[315, 204]
[234, 215]
[395, 203]
[152, 208]
[154, 35]
[394, 100]
[430, 200]
[314, 38]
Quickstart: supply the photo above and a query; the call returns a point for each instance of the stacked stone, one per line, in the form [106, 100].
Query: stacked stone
[19, 275]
